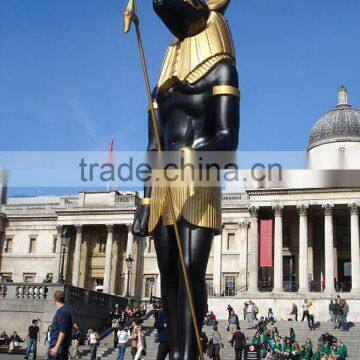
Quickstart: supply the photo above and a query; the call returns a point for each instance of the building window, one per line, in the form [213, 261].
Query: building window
[149, 286]
[8, 248]
[29, 278]
[54, 245]
[210, 287]
[32, 245]
[102, 246]
[6, 277]
[230, 245]
[230, 285]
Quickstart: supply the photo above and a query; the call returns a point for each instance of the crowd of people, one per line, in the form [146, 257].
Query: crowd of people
[267, 338]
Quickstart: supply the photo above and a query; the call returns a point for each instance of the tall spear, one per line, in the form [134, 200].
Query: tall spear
[130, 17]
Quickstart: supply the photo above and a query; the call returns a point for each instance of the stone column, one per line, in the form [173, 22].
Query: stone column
[217, 263]
[77, 256]
[108, 257]
[329, 248]
[57, 261]
[243, 248]
[303, 248]
[129, 251]
[278, 249]
[254, 249]
[355, 249]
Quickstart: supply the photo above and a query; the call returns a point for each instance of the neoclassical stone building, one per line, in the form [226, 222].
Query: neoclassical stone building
[315, 236]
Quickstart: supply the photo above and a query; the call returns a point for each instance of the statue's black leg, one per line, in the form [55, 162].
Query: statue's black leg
[166, 250]
[196, 244]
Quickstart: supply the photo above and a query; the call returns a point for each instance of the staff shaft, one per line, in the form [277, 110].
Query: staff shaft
[168, 189]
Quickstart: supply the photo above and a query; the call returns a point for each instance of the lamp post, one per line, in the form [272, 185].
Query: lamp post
[129, 262]
[65, 240]
[151, 288]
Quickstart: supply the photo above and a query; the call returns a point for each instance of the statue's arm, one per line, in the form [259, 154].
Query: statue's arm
[140, 226]
[226, 98]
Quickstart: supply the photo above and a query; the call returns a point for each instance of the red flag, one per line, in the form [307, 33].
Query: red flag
[266, 243]
[111, 151]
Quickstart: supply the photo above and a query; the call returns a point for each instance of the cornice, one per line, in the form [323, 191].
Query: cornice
[300, 191]
[95, 212]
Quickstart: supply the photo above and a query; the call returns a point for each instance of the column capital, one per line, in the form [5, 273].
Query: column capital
[129, 228]
[254, 211]
[278, 210]
[59, 228]
[78, 228]
[110, 228]
[243, 224]
[303, 209]
[353, 208]
[328, 209]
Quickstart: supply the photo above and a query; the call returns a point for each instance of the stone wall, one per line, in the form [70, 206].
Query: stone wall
[21, 303]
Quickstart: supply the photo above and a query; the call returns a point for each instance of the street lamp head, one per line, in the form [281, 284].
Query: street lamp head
[65, 237]
[129, 261]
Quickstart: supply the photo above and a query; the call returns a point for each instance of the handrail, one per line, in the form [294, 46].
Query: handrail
[141, 319]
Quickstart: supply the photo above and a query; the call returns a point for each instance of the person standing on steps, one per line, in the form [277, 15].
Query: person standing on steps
[233, 323]
[238, 342]
[123, 337]
[93, 342]
[217, 343]
[305, 310]
[311, 321]
[32, 339]
[294, 312]
[163, 337]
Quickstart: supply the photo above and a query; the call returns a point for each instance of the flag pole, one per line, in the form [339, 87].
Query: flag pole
[130, 17]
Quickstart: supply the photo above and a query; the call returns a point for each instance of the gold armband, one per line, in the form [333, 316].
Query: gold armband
[226, 90]
[155, 105]
[145, 202]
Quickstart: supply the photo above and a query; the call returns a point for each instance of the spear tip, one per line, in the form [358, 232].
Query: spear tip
[129, 15]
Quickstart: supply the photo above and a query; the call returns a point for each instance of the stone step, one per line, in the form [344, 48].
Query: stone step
[350, 338]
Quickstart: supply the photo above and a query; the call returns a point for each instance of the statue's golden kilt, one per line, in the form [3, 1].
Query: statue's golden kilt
[200, 206]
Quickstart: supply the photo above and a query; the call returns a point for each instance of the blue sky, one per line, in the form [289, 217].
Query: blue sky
[70, 79]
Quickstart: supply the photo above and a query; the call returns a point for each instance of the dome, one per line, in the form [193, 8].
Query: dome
[341, 124]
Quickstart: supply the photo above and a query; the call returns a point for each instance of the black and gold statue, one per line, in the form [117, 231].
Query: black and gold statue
[194, 107]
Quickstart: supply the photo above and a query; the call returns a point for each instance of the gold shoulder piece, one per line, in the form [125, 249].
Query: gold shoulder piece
[226, 90]
[192, 59]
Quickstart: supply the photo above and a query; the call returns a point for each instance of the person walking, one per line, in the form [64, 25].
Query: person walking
[123, 337]
[238, 342]
[32, 338]
[233, 323]
[216, 343]
[141, 343]
[93, 342]
[75, 340]
[294, 312]
[336, 313]
[60, 336]
[250, 314]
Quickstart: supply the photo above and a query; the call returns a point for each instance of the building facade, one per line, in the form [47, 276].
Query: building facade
[316, 250]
